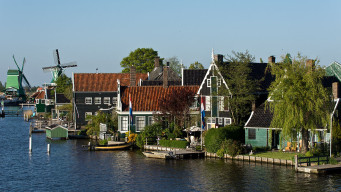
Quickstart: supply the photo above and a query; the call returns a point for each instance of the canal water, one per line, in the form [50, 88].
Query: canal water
[69, 167]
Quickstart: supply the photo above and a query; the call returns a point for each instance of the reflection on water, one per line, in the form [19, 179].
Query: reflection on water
[69, 167]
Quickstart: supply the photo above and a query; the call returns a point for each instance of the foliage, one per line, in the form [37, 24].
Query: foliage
[260, 149]
[277, 155]
[229, 147]
[95, 120]
[174, 143]
[141, 58]
[149, 131]
[175, 64]
[175, 106]
[237, 72]
[336, 134]
[69, 108]
[63, 82]
[82, 132]
[196, 65]
[333, 161]
[131, 136]
[215, 137]
[103, 142]
[299, 100]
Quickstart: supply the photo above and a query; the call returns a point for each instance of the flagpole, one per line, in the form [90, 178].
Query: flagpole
[201, 119]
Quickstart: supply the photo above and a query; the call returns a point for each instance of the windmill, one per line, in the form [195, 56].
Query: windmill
[15, 80]
[57, 70]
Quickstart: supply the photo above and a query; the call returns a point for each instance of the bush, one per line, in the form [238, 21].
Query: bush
[229, 147]
[260, 149]
[103, 142]
[214, 137]
[174, 143]
[149, 131]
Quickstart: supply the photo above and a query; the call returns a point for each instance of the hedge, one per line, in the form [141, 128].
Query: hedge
[174, 143]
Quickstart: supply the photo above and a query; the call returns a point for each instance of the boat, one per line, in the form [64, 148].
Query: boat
[115, 145]
[159, 154]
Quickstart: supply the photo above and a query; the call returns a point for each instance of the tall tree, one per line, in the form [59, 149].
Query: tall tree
[237, 73]
[175, 64]
[142, 59]
[64, 85]
[196, 65]
[299, 100]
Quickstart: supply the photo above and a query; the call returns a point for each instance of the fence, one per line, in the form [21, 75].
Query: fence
[314, 159]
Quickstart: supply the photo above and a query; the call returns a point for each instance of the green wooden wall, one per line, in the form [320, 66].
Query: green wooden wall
[261, 138]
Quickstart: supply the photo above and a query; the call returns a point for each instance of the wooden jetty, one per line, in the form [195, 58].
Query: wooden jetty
[176, 153]
[320, 169]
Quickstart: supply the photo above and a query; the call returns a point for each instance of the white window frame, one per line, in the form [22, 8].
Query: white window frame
[106, 100]
[220, 121]
[114, 101]
[208, 82]
[226, 121]
[208, 103]
[43, 101]
[98, 99]
[194, 104]
[213, 120]
[140, 123]
[87, 114]
[124, 119]
[88, 100]
[151, 120]
[219, 82]
[37, 101]
[221, 103]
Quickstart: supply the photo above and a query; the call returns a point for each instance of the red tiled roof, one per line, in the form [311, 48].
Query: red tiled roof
[103, 81]
[41, 95]
[147, 98]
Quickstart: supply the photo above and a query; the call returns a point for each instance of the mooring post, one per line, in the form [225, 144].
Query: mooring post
[48, 148]
[296, 162]
[30, 140]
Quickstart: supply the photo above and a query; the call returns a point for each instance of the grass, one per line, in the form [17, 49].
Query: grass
[277, 155]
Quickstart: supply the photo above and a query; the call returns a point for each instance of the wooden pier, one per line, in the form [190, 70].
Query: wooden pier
[321, 169]
[176, 152]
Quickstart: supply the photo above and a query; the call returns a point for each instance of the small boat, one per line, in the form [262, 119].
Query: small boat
[159, 154]
[114, 146]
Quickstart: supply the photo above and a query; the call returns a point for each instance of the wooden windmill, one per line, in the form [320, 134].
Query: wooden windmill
[57, 70]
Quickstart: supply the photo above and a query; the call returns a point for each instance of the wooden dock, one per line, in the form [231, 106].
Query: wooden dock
[177, 153]
[321, 169]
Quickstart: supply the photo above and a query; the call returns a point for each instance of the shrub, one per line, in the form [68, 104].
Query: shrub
[103, 142]
[229, 147]
[174, 143]
[308, 154]
[149, 131]
[214, 137]
[260, 149]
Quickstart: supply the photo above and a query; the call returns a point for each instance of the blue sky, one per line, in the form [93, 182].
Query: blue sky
[99, 34]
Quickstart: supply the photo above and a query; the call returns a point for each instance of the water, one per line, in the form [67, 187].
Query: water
[69, 167]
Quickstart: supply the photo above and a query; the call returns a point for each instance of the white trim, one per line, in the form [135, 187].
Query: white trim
[226, 119]
[104, 98]
[263, 128]
[249, 118]
[136, 123]
[209, 82]
[182, 76]
[86, 102]
[100, 100]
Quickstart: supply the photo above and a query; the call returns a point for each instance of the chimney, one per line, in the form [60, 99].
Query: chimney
[218, 58]
[309, 64]
[132, 76]
[336, 90]
[253, 105]
[157, 61]
[272, 59]
[165, 77]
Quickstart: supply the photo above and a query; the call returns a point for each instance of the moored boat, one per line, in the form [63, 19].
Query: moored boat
[159, 154]
[112, 146]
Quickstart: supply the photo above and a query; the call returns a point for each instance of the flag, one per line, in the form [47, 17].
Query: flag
[130, 110]
[202, 113]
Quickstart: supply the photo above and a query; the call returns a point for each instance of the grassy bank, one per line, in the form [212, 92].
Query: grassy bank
[277, 155]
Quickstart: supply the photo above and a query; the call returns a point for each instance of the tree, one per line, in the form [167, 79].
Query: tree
[95, 120]
[196, 65]
[142, 59]
[176, 106]
[175, 64]
[299, 100]
[64, 85]
[242, 87]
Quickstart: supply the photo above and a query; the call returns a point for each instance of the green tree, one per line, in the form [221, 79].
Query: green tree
[242, 87]
[142, 59]
[175, 64]
[196, 65]
[95, 120]
[63, 83]
[298, 99]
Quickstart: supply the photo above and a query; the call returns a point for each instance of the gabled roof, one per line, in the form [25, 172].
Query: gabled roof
[157, 74]
[334, 69]
[193, 76]
[260, 118]
[148, 98]
[103, 82]
[40, 95]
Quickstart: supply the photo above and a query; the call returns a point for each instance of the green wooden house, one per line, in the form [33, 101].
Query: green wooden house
[56, 131]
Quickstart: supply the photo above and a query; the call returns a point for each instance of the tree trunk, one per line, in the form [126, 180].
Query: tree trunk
[305, 139]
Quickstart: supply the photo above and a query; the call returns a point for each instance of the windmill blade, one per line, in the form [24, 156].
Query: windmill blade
[16, 63]
[26, 81]
[23, 63]
[56, 57]
[70, 64]
[49, 68]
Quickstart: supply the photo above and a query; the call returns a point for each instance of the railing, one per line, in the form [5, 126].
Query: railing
[313, 159]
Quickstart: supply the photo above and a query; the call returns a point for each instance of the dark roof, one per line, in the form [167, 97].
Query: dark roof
[194, 76]
[104, 82]
[157, 74]
[61, 98]
[147, 98]
[260, 118]
[159, 83]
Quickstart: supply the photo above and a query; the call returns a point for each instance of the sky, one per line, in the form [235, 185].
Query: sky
[99, 34]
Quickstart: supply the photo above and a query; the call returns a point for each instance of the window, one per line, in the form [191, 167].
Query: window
[208, 120]
[43, 101]
[208, 103]
[88, 100]
[213, 120]
[97, 100]
[114, 101]
[219, 82]
[227, 121]
[220, 121]
[208, 82]
[87, 114]
[194, 104]
[106, 100]
[140, 123]
[150, 120]
[252, 133]
[37, 101]
[221, 103]
[124, 123]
